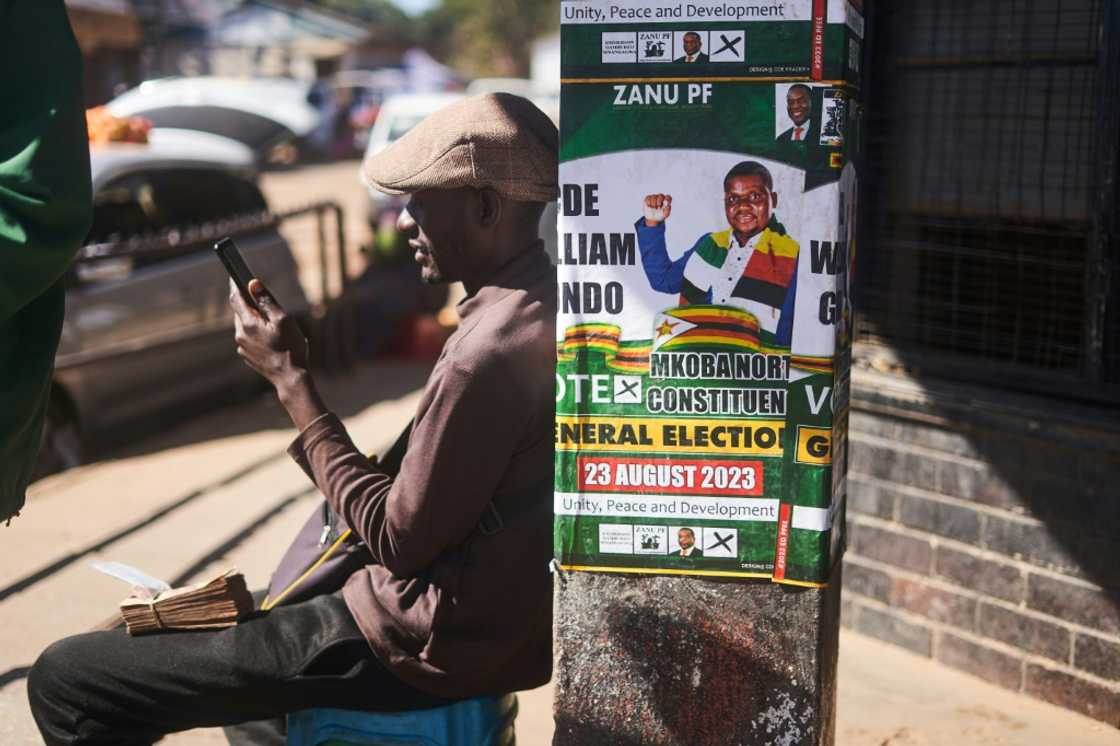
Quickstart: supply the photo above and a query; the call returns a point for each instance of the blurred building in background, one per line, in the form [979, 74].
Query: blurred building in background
[111, 36]
[125, 42]
[297, 39]
[177, 35]
[383, 46]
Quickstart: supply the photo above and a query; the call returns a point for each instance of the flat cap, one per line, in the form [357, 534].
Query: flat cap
[494, 140]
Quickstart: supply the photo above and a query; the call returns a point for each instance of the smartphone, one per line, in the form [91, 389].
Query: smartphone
[235, 264]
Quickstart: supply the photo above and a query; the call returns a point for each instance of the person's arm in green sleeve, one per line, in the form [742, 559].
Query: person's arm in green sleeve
[45, 211]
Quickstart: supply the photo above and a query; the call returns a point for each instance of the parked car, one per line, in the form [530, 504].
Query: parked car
[270, 115]
[150, 332]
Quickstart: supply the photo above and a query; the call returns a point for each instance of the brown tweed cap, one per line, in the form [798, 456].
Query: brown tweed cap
[495, 140]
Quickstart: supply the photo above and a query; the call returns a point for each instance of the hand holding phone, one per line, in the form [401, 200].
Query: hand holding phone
[235, 264]
[269, 341]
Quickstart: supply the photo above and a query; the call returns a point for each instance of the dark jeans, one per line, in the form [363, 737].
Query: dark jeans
[107, 687]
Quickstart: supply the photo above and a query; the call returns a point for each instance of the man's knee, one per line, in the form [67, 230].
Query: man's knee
[48, 670]
[53, 683]
[43, 687]
[56, 666]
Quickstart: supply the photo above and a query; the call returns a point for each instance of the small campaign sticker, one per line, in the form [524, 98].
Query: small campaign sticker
[619, 46]
[650, 540]
[616, 538]
[728, 46]
[721, 542]
[835, 107]
[655, 46]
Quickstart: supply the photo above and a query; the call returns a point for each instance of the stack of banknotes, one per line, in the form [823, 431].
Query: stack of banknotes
[216, 603]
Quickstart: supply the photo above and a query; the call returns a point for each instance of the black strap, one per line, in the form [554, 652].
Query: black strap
[507, 506]
[390, 463]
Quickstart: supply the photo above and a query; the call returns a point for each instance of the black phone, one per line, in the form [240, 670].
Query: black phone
[235, 264]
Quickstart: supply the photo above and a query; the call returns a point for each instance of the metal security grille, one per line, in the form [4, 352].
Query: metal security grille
[978, 205]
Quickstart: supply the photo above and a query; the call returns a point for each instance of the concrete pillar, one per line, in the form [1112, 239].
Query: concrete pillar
[678, 660]
[708, 222]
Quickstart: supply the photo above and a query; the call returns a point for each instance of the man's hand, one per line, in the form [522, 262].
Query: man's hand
[657, 208]
[271, 343]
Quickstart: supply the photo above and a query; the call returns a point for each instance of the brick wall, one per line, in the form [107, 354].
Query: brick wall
[984, 531]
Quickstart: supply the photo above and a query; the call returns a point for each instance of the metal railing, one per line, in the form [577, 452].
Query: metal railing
[179, 240]
[331, 328]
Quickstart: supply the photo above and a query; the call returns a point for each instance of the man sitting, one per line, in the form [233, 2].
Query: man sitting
[457, 602]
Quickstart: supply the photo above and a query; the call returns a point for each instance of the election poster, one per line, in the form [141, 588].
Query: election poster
[706, 242]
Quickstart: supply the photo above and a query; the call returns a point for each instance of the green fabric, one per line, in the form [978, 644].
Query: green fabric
[45, 211]
[711, 252]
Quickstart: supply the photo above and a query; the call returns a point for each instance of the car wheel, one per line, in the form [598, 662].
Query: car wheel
[61, 446]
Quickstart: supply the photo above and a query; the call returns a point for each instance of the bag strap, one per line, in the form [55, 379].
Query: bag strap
[509, 505]
[390, 463]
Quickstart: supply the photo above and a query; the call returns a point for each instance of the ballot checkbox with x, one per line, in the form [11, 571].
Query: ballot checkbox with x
[728, 46]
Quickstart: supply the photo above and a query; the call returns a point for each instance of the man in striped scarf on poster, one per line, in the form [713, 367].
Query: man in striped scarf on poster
[752, 265]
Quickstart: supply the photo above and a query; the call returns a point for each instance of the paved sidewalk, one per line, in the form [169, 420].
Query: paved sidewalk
[889, 697]
[219, 492]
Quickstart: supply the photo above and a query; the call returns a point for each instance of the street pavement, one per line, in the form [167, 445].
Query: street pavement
[219, 491]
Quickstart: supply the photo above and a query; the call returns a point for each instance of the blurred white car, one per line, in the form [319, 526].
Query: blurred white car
[151, 332]
[260, 113]
[398, 115]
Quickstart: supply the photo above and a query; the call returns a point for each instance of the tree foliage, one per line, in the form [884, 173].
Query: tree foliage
[488, 37]
[476, 37]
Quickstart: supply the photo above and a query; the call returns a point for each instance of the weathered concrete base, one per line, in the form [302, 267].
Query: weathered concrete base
[644, 660]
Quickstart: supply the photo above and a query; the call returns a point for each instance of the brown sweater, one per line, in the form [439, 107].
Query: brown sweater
[448, 609]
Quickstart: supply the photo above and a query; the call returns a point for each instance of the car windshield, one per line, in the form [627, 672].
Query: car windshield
[158, 199]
